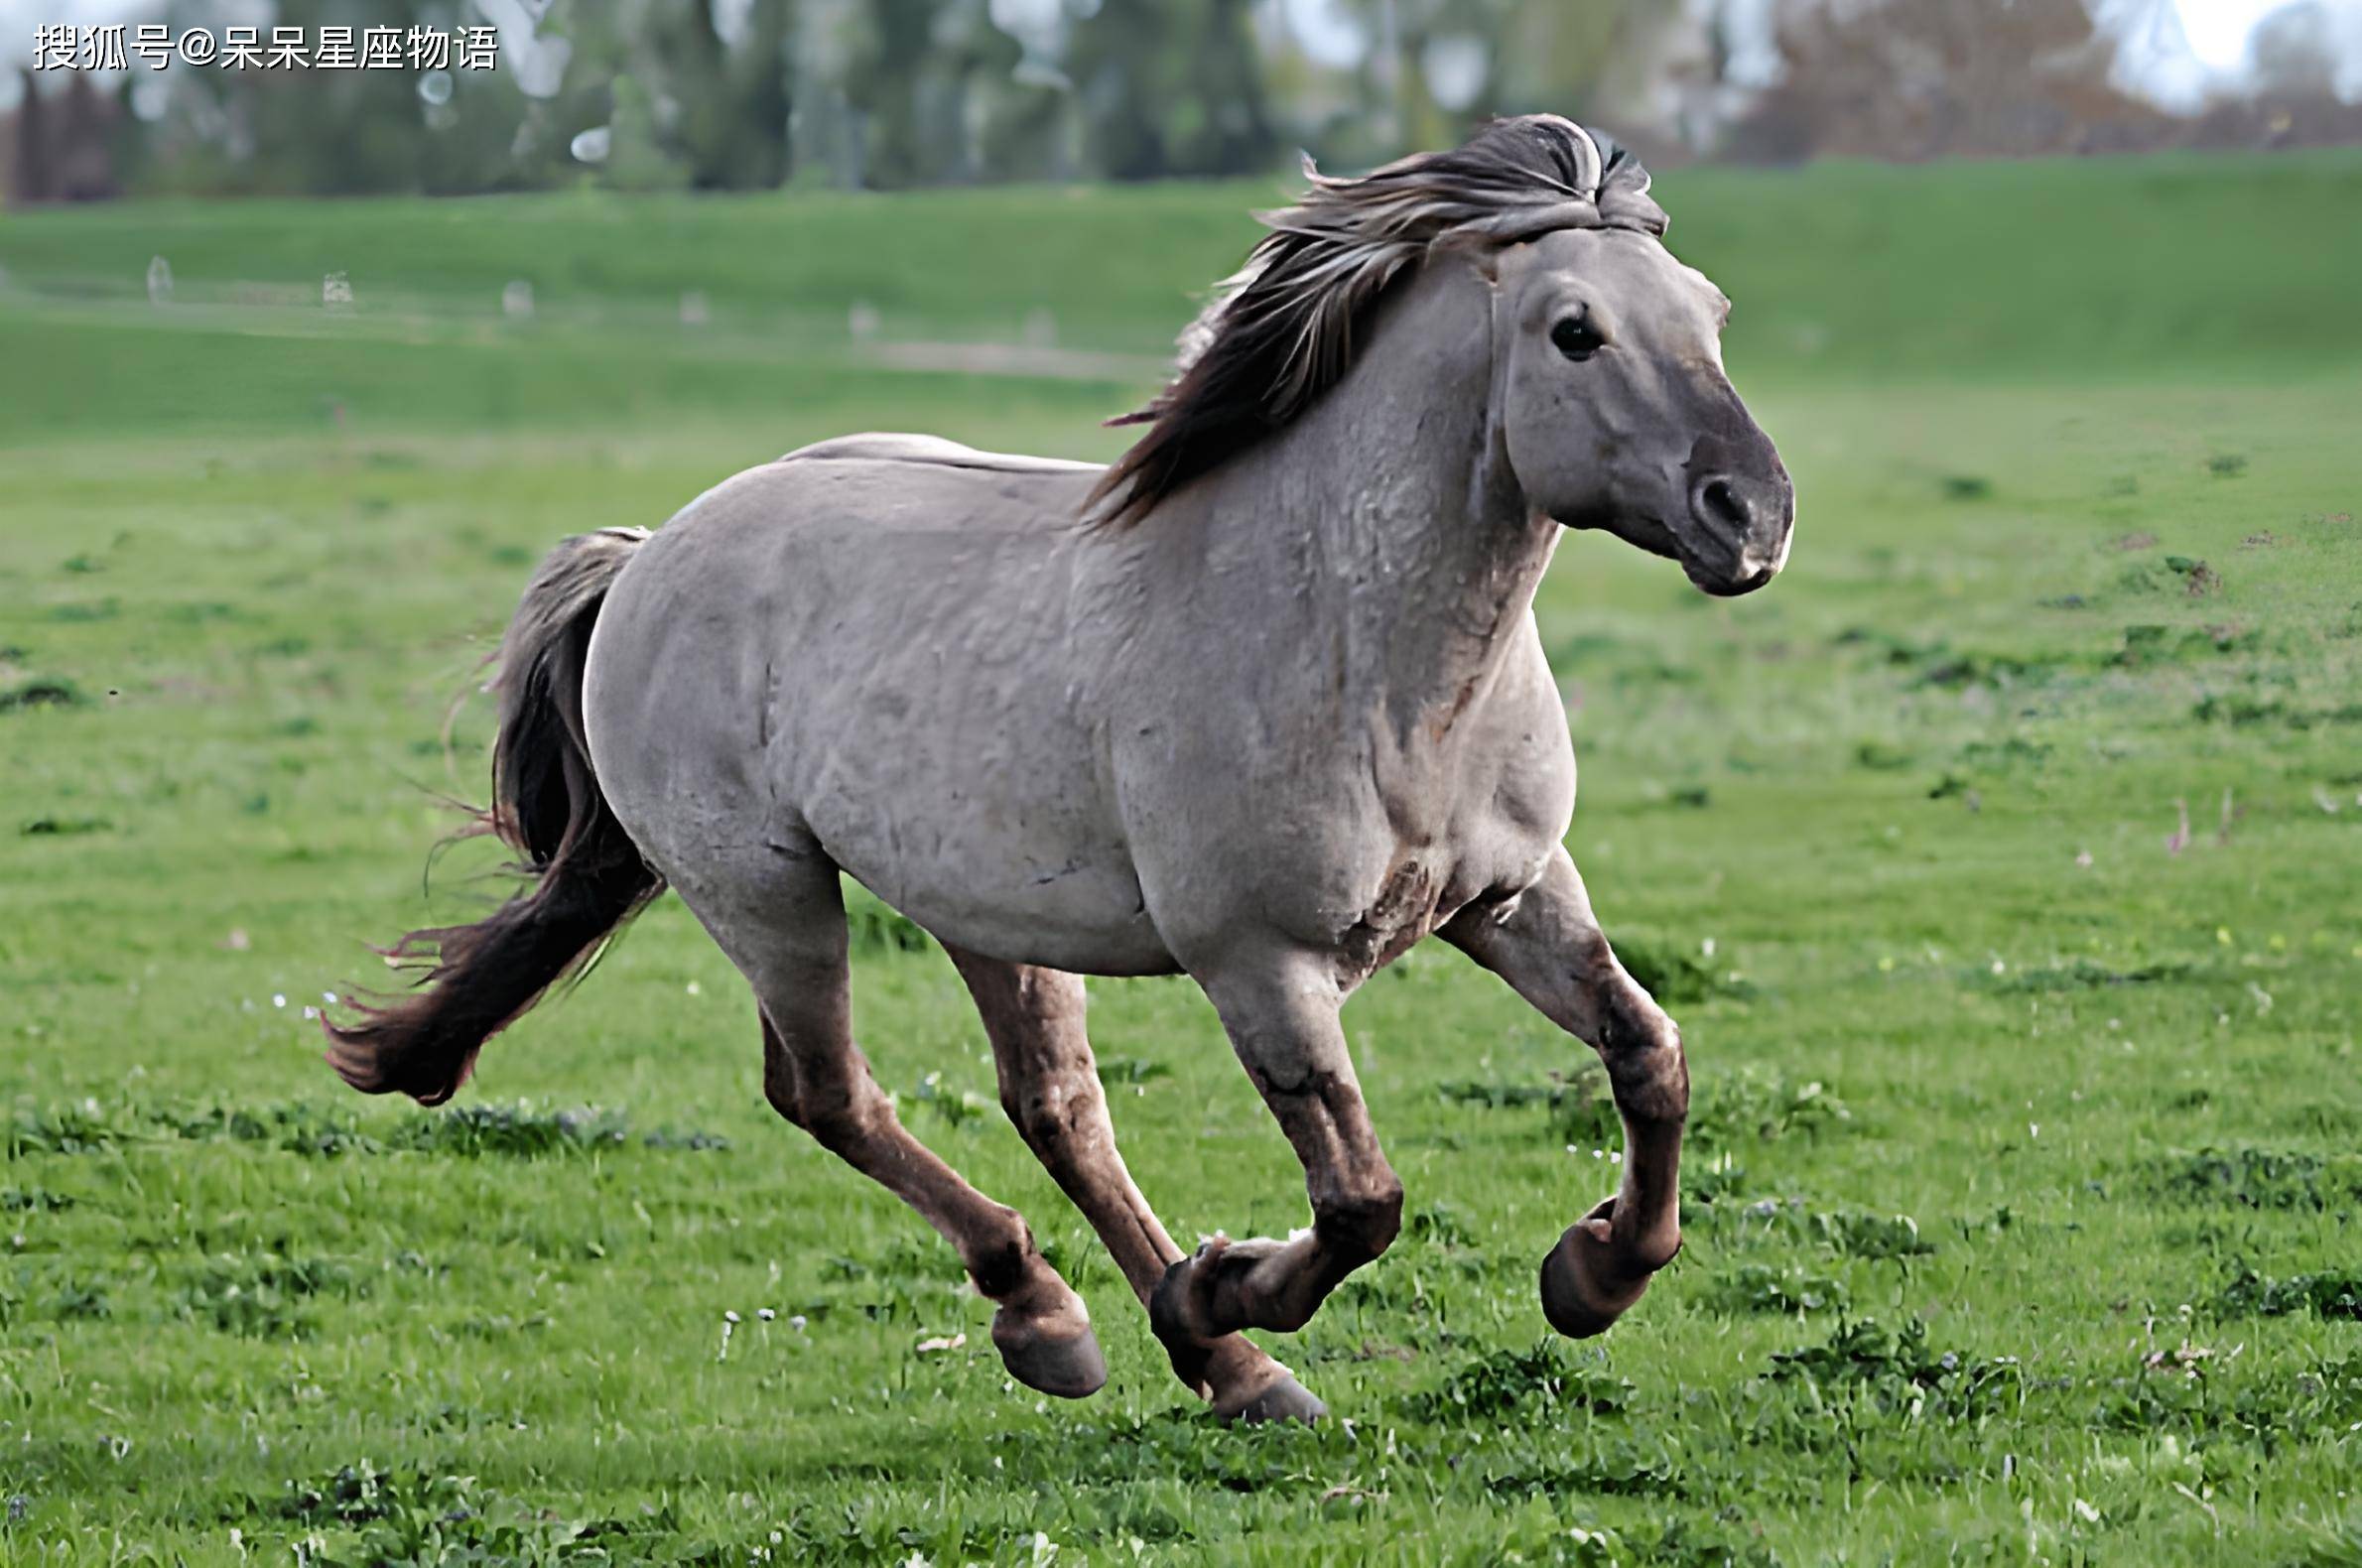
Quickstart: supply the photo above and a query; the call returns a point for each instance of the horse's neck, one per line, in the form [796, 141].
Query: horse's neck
[1388, 514]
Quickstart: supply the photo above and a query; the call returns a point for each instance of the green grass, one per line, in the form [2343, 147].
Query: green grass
[2023, 1184]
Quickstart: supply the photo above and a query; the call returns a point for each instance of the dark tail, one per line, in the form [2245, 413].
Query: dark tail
[586, 875]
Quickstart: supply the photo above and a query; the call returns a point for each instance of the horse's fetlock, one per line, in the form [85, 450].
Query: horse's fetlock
[1362, 1220]
[1001, 1262]
[1653, 1250]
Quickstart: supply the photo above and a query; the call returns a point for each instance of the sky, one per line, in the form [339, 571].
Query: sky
[2174, 53]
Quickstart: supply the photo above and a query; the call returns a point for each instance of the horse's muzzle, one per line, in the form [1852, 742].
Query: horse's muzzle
[1740, 525]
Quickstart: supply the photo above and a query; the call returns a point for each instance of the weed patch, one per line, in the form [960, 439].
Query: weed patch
[1897, 1369]
[2334, 1293]
[1733, 1107]
[1849, 1233]
[954, 1106]
[42, 694]
[874, 926]
[364, 1516]
[52, 1299]
[2148, 644]
[263, 1297]
[1527, 1384]
[477, 1132]
[1521, 1467]
[65, 826]
[2253, 1178]
[1677, 975]
[1727, 1108]
[84, 1128]
[2243, 711]
[519, 1132]
[1130, 1071]
[1790, 1291]
[297, 1128]
[1440, 1225]
[2078, 973]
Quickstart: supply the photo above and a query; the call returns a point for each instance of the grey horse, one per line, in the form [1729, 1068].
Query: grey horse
[1262, 703]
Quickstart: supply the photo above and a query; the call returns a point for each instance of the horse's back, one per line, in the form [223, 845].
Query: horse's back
[935, 451]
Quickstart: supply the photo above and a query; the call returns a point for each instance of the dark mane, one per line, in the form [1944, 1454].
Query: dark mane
[1281, 331]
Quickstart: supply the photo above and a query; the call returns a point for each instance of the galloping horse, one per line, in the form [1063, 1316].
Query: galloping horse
[1262, 703]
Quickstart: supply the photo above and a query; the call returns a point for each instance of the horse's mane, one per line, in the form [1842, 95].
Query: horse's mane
[1281, 331]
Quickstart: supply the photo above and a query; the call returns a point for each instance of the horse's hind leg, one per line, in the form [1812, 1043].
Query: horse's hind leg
[1049, 1086]
[794, 953]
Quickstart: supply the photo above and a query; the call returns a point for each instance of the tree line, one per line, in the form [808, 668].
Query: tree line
[743, 94]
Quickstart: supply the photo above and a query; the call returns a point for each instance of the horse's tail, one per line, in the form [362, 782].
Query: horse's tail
[585, 875]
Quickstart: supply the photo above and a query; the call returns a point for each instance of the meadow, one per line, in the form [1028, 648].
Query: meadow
[1998, 861]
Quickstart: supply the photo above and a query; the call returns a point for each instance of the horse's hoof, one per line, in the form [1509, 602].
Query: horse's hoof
[1068, 1369]
[1285, 1401]
[1583, 1291]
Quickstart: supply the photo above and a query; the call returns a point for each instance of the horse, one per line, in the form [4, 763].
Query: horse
[1261, 703]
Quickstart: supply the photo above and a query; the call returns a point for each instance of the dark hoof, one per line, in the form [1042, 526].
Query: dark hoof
[1070, 1368]
[1285, 1401]
[1583, 1288]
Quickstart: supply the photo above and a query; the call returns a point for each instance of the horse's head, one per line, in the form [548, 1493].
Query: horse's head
[1617, 414]
[1607, 358]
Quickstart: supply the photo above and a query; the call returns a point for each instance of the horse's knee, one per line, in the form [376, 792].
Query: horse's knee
[1035, 1117]
[1049, 1109]
[1642, 1048]
[1361, 1219]
[840, 1117]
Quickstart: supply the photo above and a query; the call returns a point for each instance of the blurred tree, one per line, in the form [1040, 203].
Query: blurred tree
[882, 81]
[1920, 79]
[29, 154]
[739, 94]
[1171, 90]
[1432, 69]
[722, 112]
[336, 132]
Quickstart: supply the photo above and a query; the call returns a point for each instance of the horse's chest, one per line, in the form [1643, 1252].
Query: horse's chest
[1486, 839]
[1410, 902]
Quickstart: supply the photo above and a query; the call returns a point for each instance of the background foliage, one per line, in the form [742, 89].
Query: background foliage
[895, 94]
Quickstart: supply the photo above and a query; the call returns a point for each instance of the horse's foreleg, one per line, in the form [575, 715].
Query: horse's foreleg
[1282, 1022]
[1550, 950]
[1049, 1085]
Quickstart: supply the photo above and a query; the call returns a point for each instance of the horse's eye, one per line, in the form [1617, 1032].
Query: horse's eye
[1574, 337]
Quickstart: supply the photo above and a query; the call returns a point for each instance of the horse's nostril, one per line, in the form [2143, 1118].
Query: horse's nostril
[1719, 499]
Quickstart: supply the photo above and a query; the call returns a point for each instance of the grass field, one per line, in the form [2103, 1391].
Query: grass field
[2023, 1171]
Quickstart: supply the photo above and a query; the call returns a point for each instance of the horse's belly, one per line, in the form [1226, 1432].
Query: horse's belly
[988, 874]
